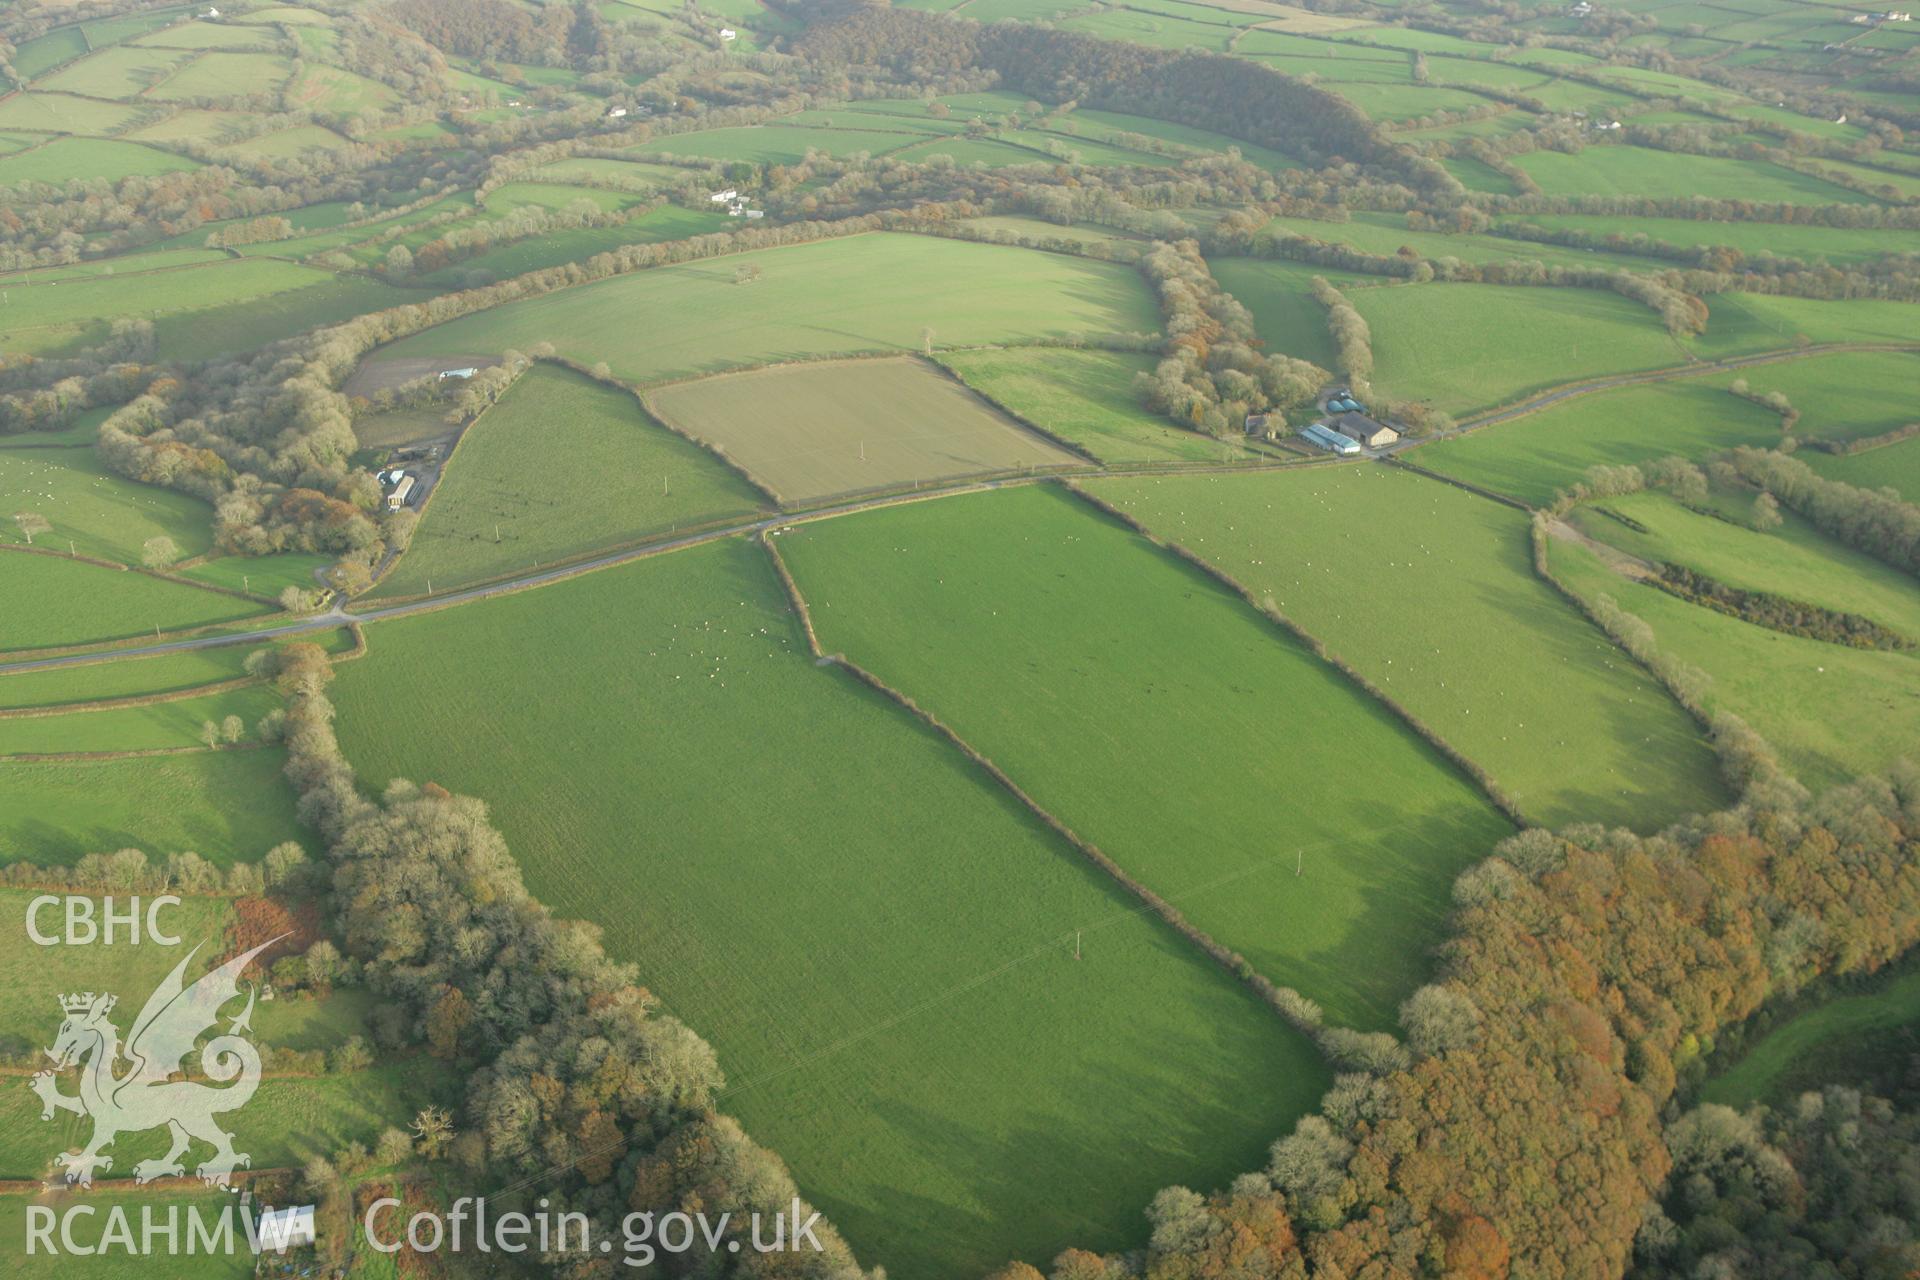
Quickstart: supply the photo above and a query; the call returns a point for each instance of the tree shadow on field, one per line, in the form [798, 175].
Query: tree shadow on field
[1666, 768]
[1036, 1182]
[1364, 962]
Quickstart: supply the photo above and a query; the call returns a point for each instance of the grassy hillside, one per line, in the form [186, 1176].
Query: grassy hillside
[1158, 716]
[1430, 592]
[835, 297]
[876, 939]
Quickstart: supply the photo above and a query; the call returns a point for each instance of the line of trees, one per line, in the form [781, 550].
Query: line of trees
[1352, 338]
[1778, 613]
[1211, 375]
[1876, 521]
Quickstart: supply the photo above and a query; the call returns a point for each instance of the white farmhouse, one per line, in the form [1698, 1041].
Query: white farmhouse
[284, 1229]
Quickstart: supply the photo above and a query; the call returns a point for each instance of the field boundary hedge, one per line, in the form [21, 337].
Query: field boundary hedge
[1020, 418]
[1466, 485]
[1297, 1011]
[78, 757]
[131, 700]
[1495, 794]
[359, 650]
[642, 402]
[1746, 759]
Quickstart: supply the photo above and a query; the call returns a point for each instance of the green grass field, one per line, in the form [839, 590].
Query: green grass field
[811, 431]
[1795, 560]
[1744, 322]
[132, 967]
[252, 322]
[92, 510]
[67, 113]
[1831, 712]
[1387, 233]
[120, 264]
[37, 56]
[1531, 457]
[72, 304]
[836, 297]
[227, 806]
[259, 575]
[1472, 346]
[774, 144]
[1642, 171]
[77, 603]
[66, 158]
[1896, 467]
[209, 35]
[555, 195]
[143, 728]
[125, 677]
[89, 1231]
[1815, 1047]
[1837, 245]
[1847, 394]
[561, 467]
[876, 939]
[325, 88]
[221, 74]
[553, 248]
[287, 1122]
[1430, 592]
[118, 72]
[1161, 718]
[1083, 396]
[128, 677]
[1285, 314]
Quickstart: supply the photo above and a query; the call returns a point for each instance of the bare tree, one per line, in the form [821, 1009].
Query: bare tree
[158, 553]
[431, 1130]
[31, 522]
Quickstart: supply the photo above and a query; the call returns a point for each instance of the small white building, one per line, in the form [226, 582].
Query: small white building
[617, 113]
[756, 213]
[401, 492]
[1581, 9]
[284, 1229]
[728, 35]
[211, 12]
[729, 196]
[467, 372]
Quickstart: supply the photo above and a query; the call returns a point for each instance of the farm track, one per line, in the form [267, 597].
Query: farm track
[338, 616]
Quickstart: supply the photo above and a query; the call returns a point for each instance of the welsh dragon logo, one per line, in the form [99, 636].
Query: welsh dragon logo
[145, 1095]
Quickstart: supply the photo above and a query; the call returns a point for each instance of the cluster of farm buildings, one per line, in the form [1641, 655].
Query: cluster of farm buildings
[736, 204]
[1345, 429]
